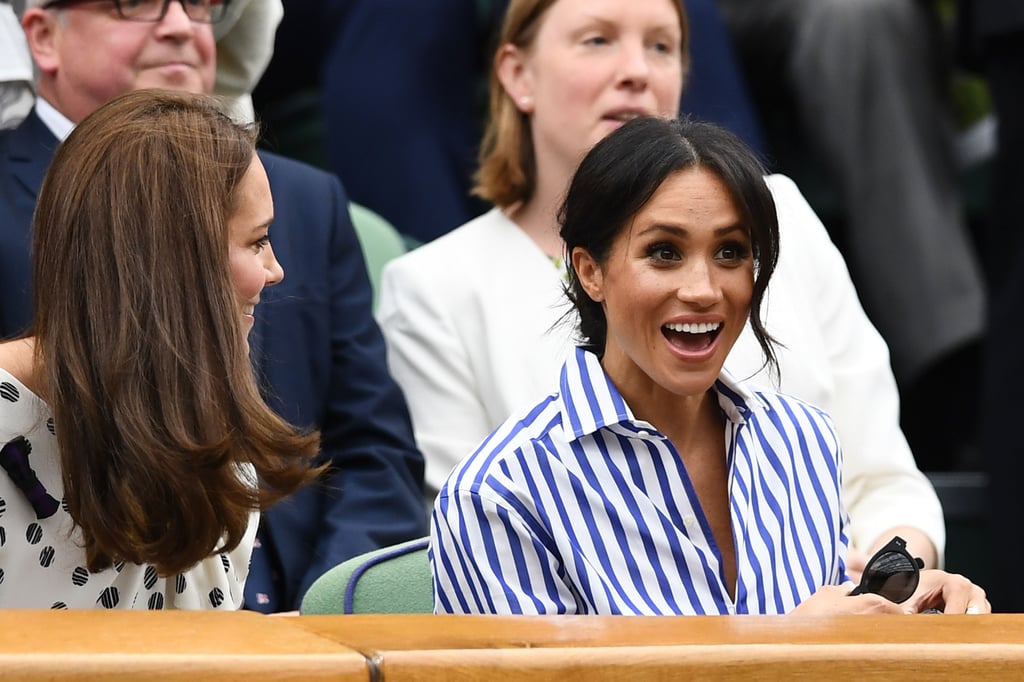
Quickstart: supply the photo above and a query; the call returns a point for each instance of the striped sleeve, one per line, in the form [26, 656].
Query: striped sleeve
[486, 558]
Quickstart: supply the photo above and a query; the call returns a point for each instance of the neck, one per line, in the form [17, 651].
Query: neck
[18, 358]
[538, 215]
[687, 420]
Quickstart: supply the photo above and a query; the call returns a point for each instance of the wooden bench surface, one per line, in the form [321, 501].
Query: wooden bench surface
[424, 632]
[171, 645]
[857, 648]
[93, 645]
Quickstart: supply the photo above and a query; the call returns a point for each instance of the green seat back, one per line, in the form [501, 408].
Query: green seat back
[379, 240]
[394, 579]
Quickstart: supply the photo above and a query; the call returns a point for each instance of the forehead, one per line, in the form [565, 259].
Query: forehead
[693, 193]
[566, 15]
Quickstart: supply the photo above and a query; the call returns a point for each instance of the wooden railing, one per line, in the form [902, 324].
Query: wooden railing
[91, 645]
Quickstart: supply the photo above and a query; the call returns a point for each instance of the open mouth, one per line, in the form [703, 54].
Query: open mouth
[692, 337]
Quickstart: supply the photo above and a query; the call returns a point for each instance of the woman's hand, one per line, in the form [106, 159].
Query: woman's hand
[948, 592]
[832, 599]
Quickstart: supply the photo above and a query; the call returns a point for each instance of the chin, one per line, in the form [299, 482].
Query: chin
[688, 382]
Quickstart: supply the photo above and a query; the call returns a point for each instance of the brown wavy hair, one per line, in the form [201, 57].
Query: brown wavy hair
[139, 350]
[508, 172]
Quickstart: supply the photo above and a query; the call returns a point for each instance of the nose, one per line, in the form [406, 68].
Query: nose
[697, 286]
[275, 273]
[175, 20]
[634, 68]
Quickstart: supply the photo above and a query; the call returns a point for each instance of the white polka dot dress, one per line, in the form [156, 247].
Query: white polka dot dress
[42, 563]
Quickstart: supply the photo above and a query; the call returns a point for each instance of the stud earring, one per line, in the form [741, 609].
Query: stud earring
[525, 101]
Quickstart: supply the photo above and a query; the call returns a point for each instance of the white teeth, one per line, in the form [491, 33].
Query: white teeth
[694, 328]
[627, 116]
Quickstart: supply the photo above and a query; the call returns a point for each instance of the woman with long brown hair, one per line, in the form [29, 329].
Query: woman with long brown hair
[136, 446]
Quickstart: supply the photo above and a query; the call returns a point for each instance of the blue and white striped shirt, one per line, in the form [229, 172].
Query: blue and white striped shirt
[574, 506]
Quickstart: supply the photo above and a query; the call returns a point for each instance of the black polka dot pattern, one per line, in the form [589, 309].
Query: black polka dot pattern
[1, 576]
[225, 562]
[3, 506]
[80, 576]
[119, 566]
[59, 605]
[64, 505]
[180, 584]
[150, 577]
[46, 557]
[34, 533]
[49, 426]
[156, 601]
[216, 597]
[109, 598]
[3, 536]
[9, 392]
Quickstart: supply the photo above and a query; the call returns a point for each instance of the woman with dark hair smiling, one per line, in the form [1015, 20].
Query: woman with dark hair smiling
[652, 481]
[471, 318]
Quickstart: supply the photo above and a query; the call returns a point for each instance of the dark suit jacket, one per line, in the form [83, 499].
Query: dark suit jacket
[319, 352]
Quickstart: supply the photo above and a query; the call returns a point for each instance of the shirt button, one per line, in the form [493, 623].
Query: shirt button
[643, 434]
[690, 522]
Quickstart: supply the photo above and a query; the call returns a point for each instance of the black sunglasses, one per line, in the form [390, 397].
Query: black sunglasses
[200, 11]
[891, 573]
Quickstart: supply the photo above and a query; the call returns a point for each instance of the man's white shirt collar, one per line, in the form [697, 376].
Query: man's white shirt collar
[58, 123]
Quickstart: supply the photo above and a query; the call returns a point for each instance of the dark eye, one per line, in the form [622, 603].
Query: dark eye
[261, 243]
[596, 40]
[663, 47]
[732, 252]
[662, 252]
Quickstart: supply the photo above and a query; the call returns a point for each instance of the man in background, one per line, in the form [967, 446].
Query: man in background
[315, 344]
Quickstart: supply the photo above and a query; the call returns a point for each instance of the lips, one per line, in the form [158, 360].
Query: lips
[626, 114]
[691, 337]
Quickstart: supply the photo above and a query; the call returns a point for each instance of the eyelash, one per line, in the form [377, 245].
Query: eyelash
[261, 243]
[657, 250]
[661, 47]
[742, 250]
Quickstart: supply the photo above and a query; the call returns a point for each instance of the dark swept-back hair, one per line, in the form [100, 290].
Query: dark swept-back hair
[139, 348]
[508, 169]
[621, 174]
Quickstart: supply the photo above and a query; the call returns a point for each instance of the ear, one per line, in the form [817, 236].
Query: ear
[43, 35]
[589, 273]
[512, 69]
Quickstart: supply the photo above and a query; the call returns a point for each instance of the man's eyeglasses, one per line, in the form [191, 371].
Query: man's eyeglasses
[201, 11]
[891, 572]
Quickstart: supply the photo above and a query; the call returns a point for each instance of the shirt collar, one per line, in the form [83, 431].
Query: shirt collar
[590, 401]
[58, 123]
